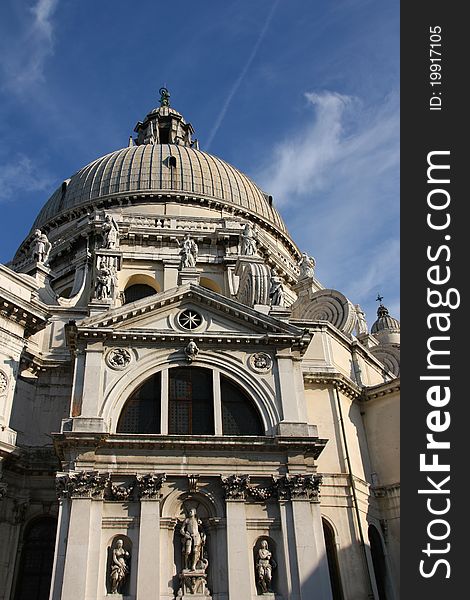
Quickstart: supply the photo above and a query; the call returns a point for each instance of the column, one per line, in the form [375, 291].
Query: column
[148, 573]
[314, 578]
[294, 420]
[310, 565]
[60, 549]
[148, 565]
[82, 554]
[164, 396]
[238, 559]
[217, 402]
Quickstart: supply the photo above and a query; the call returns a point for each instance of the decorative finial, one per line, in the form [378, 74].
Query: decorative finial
[379, 298]
[164, 96]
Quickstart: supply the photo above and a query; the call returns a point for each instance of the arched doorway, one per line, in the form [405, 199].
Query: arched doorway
[378, 560]
[36, 560]
[332, 557]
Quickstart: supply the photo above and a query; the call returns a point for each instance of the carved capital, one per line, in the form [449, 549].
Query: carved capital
[235, 486]
[298, 487]
[149, 486]
[81, 484]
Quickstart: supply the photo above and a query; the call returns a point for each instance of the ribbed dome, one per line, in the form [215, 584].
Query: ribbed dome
[385, 322]
[153, 169]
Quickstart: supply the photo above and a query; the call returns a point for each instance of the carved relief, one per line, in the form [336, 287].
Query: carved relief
[118, 358]
[119, 493]
[235, 486]
[191, 351]
[3, 383]
[299, 487]
[149, 486]
[82, 484]
[260, 362]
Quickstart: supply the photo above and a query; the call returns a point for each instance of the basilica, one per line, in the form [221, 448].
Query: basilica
[186, 411]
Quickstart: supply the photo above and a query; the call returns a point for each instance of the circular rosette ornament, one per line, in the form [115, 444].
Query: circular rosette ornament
[260, 362]
[118, 359]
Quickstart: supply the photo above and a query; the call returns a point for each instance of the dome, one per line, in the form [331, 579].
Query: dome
[152, 170]
[385, 322]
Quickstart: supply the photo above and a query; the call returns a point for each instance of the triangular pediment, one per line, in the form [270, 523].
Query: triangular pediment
[160, 315]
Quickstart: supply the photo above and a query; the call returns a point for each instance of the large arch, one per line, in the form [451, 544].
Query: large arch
[263, 397]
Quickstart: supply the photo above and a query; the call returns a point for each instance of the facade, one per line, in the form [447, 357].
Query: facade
[185, 410]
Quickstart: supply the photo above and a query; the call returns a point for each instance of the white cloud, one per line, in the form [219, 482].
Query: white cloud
[24, 56]
[336, 183]
[21, 175]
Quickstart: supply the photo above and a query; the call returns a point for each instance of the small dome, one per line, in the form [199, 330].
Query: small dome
[386, 329]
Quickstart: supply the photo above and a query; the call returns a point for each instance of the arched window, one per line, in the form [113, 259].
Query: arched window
[186, 395]
[137, 292]
[332, 558]
[36, 561]
[239, 416]
[378, 560]
[190, 401]
[141, 413]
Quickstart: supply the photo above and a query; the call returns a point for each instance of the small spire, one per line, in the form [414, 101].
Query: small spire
[164, 97]
[381, 311]
[131, 141]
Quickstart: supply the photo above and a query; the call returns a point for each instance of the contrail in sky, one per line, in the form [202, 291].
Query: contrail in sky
[241, 77]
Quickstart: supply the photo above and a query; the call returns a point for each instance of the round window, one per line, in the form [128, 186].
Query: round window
[189, 319]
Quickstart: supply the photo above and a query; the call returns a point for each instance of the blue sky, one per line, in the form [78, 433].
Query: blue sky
[302, 95]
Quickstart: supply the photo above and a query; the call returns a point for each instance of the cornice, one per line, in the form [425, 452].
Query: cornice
[163, 443]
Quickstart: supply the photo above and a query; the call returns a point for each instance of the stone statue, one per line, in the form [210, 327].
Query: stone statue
[361, 323]
[104, 280]
[188, 252]
[164, 97]
[307, 266]
[276, 291]
[119, 568]
[191, 350]
[264, 567]
[110, 233]
[41, 246]
[248, 241]
[193, 540]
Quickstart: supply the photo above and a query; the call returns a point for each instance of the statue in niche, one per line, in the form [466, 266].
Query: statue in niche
[41, 246]
[193, 540]
[188, 252]
[119, 568]
[248, 241]
[110, 233]
[264, 567]
[104, 280]
[307, 266]
[276, 291]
